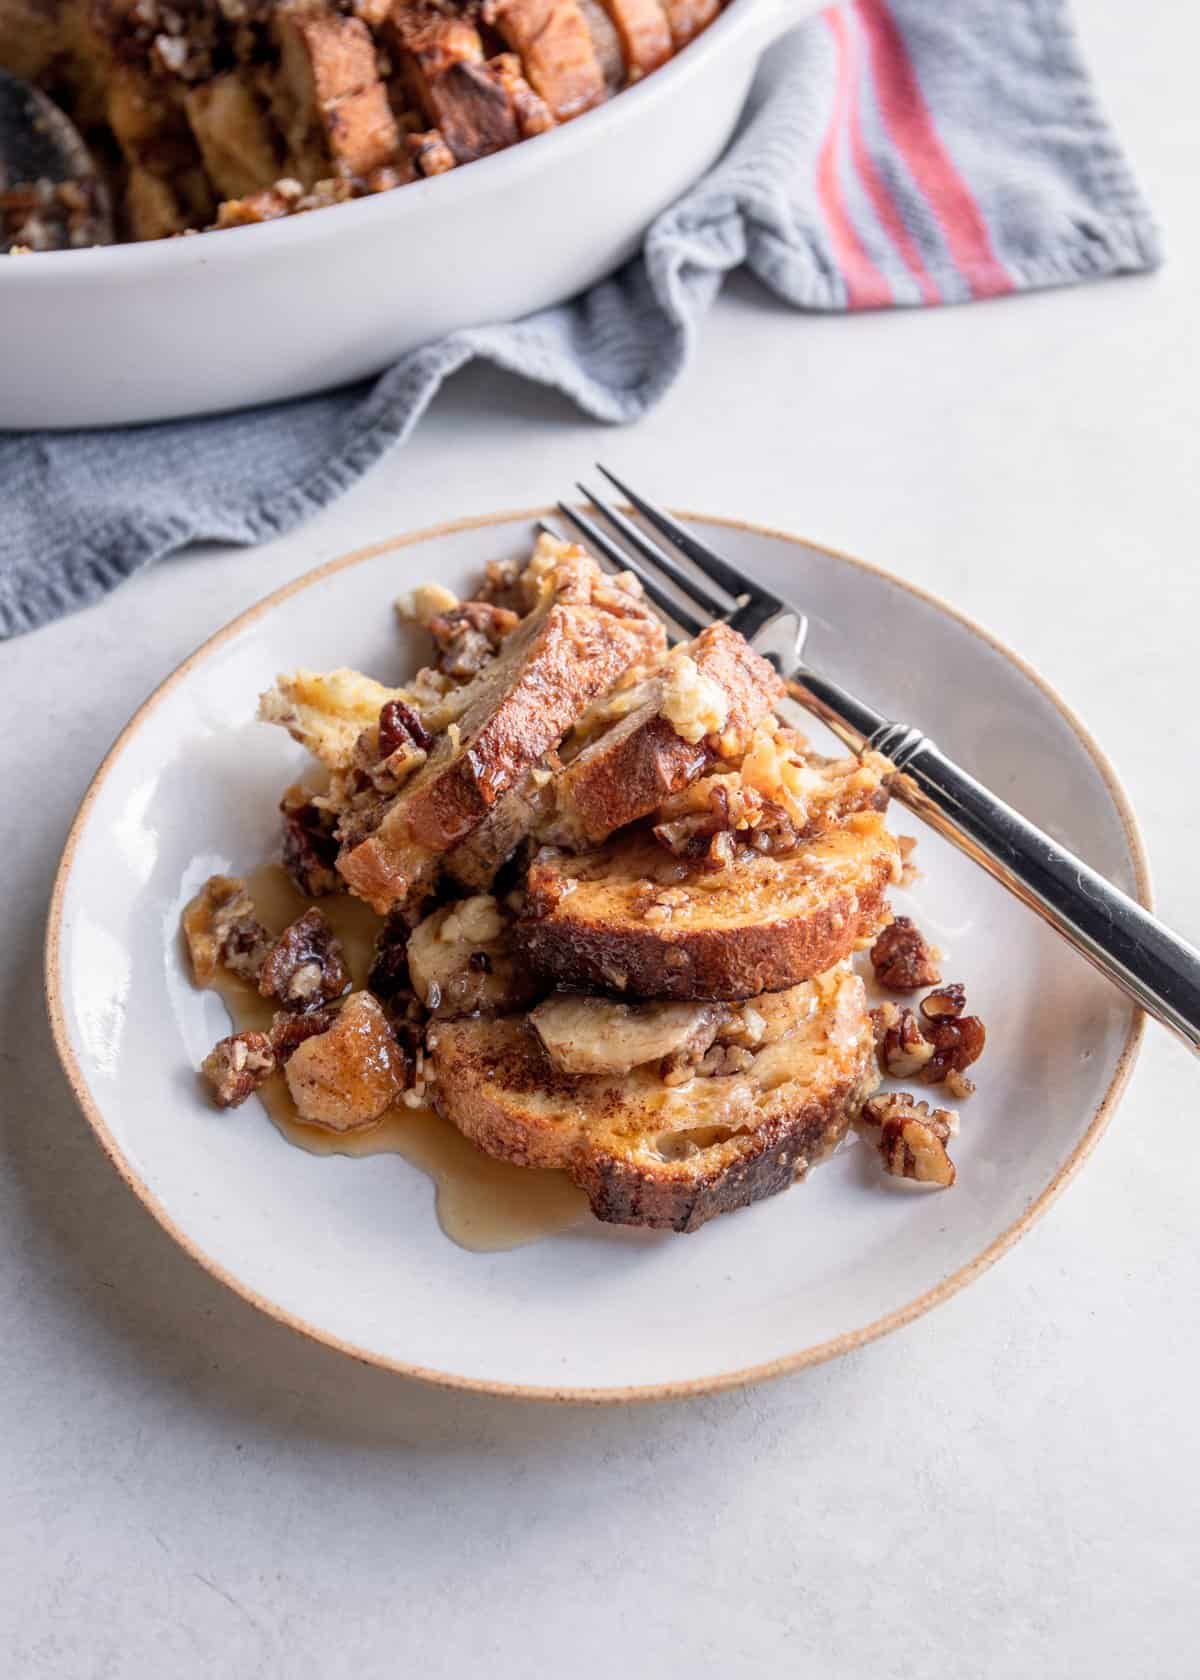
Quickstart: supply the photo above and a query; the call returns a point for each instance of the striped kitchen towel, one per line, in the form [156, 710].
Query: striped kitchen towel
[892, 152]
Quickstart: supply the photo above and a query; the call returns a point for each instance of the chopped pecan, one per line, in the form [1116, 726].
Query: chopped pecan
[935, 1051]
[546, 885]
[502, 586]
[289, 1029]
[469, 635]
[724, 1059]
[429, 152]
[310, 845]
[237, 1066]
[902, 1048]
[389, 975]
[956, 1044]
[305, 965]
[221, 928]
[903, 959]
[399, 726]
[775, 833]
[911, 1137]
[732, 813]
[390, 982]
[387, 754]
[948, 1000]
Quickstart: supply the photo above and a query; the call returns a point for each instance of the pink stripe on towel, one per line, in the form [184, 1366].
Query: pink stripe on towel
[866, 287]
[910, 125]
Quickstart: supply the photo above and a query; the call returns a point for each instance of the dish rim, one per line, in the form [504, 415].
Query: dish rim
[818, 1353]
[127, 258]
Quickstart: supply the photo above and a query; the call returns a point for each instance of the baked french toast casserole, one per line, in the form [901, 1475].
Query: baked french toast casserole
[617, 901]
[220, 113]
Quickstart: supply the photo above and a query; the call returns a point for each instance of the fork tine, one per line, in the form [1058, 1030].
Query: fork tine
[650, 550]
[720, 571]
[601, 540]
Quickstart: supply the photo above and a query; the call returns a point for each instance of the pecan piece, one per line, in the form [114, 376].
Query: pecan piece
[937, 1050]
[469, 635]
[399, 726]
[305, 965]
[391, 982]
[237, 1066]
[956, 1044]
[221, 929]
[947, 1001]
[903, 959]
[901, 1046]
[289, 1029]
[911, 1137]
[502, 586]
[310, 846]
[389, 976]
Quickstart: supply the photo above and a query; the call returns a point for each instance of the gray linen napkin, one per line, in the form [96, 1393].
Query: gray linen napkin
[892, 152]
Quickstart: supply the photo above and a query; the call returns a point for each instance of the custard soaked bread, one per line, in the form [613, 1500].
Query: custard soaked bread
[659, 1143]
[702, 706]
[587, 629]
[650, 983]
[630, 919]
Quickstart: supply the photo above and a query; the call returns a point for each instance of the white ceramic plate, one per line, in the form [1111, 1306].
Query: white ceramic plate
[350, 1252]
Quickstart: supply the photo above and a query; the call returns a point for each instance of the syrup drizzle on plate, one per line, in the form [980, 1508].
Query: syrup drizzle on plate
[482, 1204]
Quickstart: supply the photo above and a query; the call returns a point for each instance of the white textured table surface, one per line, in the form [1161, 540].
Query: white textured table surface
[1009, 1487]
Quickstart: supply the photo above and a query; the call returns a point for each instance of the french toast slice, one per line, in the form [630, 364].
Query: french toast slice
[327, 97]
[645, 34]
[688, 17]
[632, 919]
[669, 1152]
[233, 131]
[585, 631]
[702, 706]
[556, 48]
[445, 68]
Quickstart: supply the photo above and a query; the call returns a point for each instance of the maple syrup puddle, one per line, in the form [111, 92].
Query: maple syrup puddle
[482, 1204]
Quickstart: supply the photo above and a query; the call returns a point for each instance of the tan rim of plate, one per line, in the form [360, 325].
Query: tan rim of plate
[814, 1355]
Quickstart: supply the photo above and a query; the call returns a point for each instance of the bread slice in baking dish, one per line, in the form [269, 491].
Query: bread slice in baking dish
[665, 1142]
[631, 919]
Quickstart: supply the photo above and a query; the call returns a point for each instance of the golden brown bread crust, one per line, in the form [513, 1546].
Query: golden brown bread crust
[642, 760]
[555, 46]
[670, 1158]
[606, 44]
[629, 772]
[606, 921]
[688, 17]
[645, 34]
[330, 104]
[465, 98]
[568, 650]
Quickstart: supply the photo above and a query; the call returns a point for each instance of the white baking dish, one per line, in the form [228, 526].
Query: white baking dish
[251, 315]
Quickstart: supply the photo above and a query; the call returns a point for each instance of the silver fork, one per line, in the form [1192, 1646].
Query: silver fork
[1157, 969]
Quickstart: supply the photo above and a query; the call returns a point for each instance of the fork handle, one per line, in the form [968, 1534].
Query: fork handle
[1157, 969]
